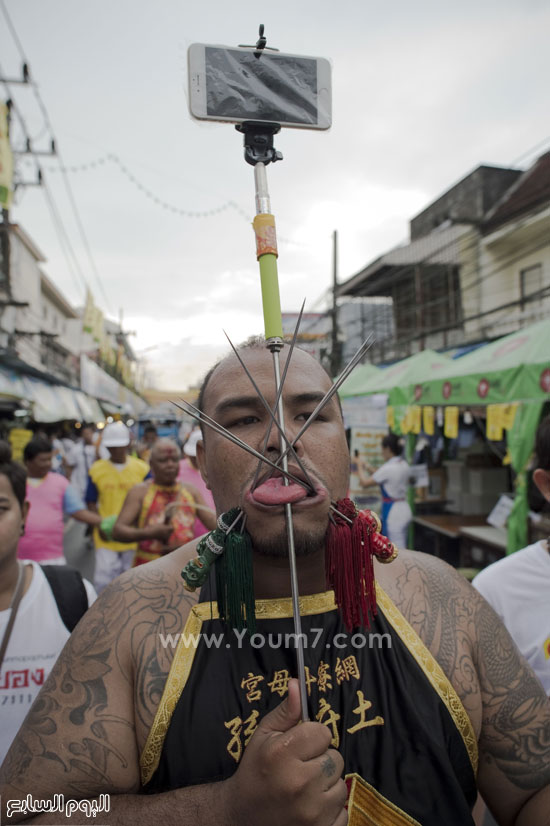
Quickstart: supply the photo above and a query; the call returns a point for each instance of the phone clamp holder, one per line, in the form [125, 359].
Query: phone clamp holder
[258, 142]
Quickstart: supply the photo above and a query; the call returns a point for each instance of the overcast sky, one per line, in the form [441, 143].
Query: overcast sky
[422, 94]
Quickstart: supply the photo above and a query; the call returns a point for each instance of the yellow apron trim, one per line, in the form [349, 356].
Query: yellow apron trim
[433, 672]
[367, 807]
[280, 608]
[175, 683]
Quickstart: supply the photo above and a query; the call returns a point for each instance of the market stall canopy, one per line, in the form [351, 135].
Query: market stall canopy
[513, 368]
[354, 384]
[51, 403]
[400, 379]
[90, 411]
[11, 384]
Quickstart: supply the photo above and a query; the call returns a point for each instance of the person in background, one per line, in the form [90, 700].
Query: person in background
[33, 626]
[189, 474]
[160, 512]
[80, 459]
[518, 586]
[51, 497]
[58, 463]
[393, 477]
[145, 446]
[109, 482]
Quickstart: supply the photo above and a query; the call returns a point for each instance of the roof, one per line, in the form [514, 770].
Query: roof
[436, 248]
[529, 192]
[28, 242]
[49, 289]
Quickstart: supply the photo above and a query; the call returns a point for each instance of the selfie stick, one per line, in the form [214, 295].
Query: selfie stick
[259, 151]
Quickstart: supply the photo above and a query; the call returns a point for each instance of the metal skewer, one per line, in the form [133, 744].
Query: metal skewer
[274, 342]
[199, 416]
[275, 407]
[289, 445]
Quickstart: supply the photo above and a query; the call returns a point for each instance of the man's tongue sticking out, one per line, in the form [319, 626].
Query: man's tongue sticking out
[274, 492]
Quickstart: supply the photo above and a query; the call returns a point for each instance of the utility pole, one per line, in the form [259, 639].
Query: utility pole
[335, 339]
[5, 237]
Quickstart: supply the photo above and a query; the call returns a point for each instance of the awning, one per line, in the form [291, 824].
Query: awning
[111, 409]
[51, 403]
[11, 385]
[90, 411]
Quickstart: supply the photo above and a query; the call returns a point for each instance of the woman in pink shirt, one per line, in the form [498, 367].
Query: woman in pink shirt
[50, 497]
[189, 473]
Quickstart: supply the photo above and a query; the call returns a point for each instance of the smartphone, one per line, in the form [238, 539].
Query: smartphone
[238, 84]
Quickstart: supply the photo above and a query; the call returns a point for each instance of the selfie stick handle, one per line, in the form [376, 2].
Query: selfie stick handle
[266, 250]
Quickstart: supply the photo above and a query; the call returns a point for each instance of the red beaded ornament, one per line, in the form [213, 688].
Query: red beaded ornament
[349, 565]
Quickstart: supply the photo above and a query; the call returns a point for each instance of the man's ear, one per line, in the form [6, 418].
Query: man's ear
[541, 478]
[202, 462]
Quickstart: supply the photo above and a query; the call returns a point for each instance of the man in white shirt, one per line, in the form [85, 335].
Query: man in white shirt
[81, 457]
[32, 628]
[518, 586]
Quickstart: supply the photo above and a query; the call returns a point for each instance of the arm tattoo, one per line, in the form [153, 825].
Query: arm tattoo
[516, 731]
[120, 634]
[480, 659]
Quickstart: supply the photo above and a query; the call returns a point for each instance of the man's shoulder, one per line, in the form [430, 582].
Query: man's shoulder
[140, 490]
[135, 462]
[57, 480]
[502, 571]
[415, 575]
[98, 467]
[155, 586]
[443, 609]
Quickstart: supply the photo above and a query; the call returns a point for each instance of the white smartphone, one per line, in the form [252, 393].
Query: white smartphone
[237, 84]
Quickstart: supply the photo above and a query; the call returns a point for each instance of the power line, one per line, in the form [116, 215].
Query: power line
[66, 181]
[56, 217]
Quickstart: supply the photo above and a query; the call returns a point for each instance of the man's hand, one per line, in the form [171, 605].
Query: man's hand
[288, 773]
[162, 532]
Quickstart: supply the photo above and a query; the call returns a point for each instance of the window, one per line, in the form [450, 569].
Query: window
[530, 283]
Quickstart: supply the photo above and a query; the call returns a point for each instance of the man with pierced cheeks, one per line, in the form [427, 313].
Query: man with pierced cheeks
[186, 735]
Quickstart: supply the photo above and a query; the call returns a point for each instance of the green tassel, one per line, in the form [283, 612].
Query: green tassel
[235, 582]
[232, 553]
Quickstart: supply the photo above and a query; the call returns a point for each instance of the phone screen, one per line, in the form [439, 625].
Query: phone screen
[272, 87]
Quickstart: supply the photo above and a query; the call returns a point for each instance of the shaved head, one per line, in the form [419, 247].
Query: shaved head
[161, 445]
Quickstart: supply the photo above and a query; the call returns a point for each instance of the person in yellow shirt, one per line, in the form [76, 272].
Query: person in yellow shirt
[109, 482]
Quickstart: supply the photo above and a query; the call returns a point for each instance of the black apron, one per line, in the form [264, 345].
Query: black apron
[409, 749]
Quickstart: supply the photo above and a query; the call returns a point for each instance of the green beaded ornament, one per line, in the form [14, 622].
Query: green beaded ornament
[231, 550]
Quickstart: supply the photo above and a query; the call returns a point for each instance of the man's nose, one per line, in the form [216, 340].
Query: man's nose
[273, 445]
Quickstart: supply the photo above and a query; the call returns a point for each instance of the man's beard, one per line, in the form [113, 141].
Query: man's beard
[305, 543]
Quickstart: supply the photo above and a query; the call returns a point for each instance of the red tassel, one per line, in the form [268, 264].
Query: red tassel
[349, 565]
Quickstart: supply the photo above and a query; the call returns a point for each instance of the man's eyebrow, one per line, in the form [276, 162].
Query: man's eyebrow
[237, 402]
[310, 397]
[253, 401]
